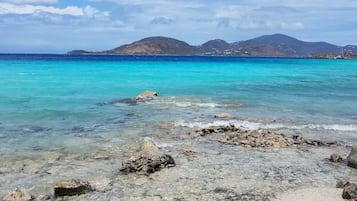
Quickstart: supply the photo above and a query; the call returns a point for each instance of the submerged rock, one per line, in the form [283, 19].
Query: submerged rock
[224, 116]
[352, 158]
[350, 191]
[128, 101]
[146, 96]
[72, 187]
[17, 195]
[335, 158]
[35, 129]
[147, 164]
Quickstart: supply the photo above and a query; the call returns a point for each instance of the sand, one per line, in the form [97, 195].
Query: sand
[312, 194]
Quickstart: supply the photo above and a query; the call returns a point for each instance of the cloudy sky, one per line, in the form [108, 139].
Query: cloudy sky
[56, 26]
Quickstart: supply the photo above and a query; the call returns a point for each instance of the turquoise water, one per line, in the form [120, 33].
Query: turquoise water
[68, 98]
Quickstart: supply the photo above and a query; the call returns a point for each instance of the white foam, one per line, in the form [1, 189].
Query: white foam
[255, 125]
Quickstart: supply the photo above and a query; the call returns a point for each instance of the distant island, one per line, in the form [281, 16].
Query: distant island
[276, 45]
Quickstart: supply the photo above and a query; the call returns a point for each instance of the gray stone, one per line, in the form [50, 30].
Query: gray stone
[147, 146]
[352, 158]
[335, 158]
[72, 187]
[350, 191]
[17, 195]
[342, 183]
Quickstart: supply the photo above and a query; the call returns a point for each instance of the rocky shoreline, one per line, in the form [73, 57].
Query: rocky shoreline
[222, 162]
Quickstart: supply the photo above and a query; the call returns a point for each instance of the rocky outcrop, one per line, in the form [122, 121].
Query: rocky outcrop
[146, 96]
[148, 160]
[72, 187]
[342, 183]
[352, 158]
[17, 195]
[255, 138]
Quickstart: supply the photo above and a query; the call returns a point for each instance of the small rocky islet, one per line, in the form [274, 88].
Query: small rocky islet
[150, 158]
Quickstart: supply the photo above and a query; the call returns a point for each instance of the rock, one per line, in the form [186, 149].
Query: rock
[17, 195]
[147, 164]
[342, 183]
[72, 187]
[224, 116]
[189, 152]
[128, 101]
[335, 158]
[350, 191]
[352, 158]
[146, 96]
[147, 146]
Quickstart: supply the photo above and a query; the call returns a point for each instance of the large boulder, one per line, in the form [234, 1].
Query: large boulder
[17, 195]
[352, 158]
[72, 187]
[146, 96]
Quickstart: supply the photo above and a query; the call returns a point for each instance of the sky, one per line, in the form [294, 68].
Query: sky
[57, 26]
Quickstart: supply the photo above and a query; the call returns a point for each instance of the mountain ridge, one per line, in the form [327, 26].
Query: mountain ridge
[275, 45]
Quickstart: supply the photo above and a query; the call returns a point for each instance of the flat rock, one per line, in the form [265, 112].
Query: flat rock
[352, 158]
[17, 195]
[72, 187]
[146, 96]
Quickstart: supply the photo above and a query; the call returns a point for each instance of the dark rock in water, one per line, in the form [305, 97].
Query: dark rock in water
[35, 129]
[17, 195]
[342, 183]
[352, 158]
[146, 96]
[72, 187]
[335, 158]
[128, 101]
[350, 191]
[78, 129]
[147, 164]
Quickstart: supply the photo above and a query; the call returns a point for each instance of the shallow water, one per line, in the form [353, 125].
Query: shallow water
[82, 136]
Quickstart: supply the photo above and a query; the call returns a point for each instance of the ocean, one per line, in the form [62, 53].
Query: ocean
[64, 109]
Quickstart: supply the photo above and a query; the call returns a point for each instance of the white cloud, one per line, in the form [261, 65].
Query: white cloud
[8, 8]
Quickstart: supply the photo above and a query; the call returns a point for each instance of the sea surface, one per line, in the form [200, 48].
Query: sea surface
[64, 109]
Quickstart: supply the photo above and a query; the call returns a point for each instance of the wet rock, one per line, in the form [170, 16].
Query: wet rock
[72, 187]
[147, 146]
[17, 195]
[189, 152]
[342, 183]
[352, 158]
[335, 158]
[350, 191]
[224, 116]
[256, 138]
[146, 165]
[146, 96]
